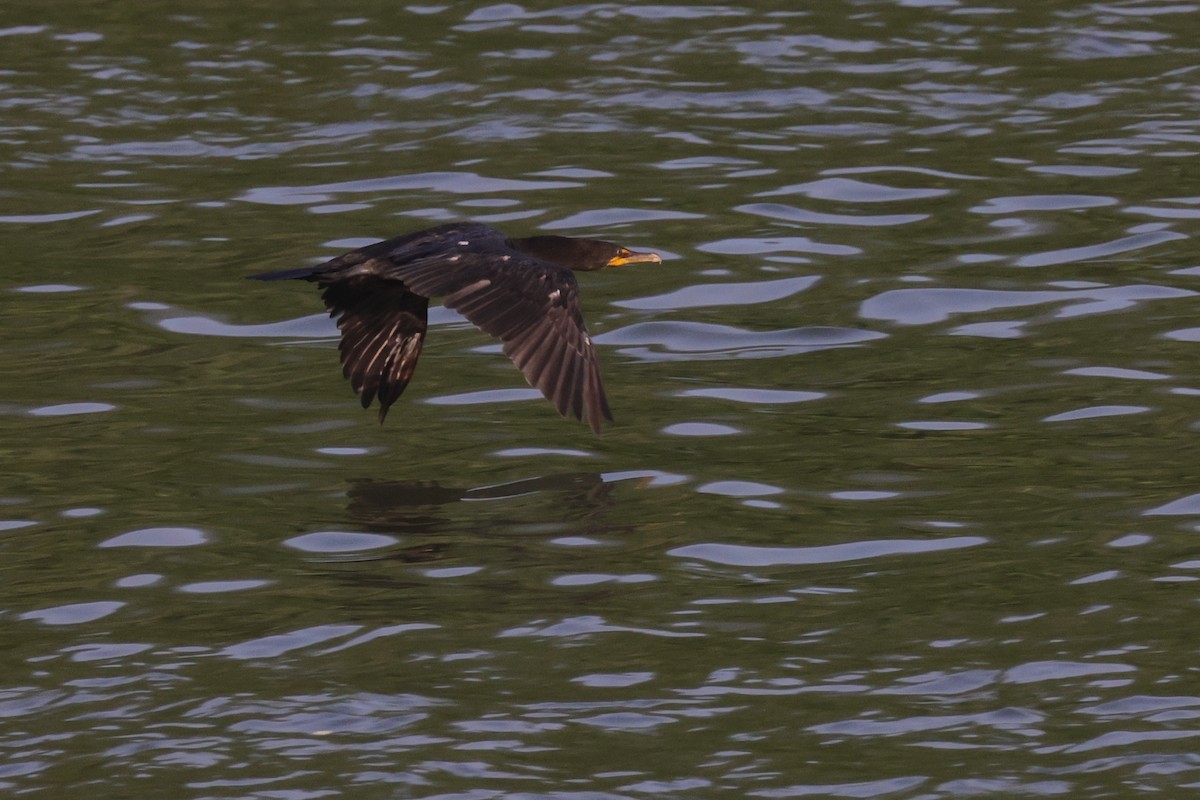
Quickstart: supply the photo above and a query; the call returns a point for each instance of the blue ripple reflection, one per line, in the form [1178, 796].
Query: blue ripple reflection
[925, 306]
[738, 555]
[722, 294]
[698, 341]
[450, 182]
[754, 396]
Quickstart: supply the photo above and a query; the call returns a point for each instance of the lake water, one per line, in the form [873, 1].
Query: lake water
[901, 499]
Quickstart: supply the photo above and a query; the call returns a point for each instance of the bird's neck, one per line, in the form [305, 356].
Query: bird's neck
[554, 249]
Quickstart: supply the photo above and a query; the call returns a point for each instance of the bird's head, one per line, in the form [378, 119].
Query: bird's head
[582, 254]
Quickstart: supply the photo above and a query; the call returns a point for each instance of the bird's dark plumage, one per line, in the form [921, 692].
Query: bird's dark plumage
[522, 291]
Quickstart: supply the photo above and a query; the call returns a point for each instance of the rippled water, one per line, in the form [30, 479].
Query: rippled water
[900, 500]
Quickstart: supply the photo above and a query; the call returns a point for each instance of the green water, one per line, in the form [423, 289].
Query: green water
[900, 500]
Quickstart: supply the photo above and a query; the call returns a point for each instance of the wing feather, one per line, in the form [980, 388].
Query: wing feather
[383, 326]
[532, 306]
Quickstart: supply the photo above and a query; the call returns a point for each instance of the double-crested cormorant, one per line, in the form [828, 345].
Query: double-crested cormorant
[521, 291]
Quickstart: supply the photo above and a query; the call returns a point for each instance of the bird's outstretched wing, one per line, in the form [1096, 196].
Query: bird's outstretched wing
[532, 307]
[383, 327]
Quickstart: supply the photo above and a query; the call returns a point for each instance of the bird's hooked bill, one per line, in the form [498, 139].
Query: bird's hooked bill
[629, 257]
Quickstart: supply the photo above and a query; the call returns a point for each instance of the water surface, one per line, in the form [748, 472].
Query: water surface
[899, 501]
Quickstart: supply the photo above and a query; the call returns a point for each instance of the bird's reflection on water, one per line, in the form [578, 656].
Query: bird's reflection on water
[433, 517]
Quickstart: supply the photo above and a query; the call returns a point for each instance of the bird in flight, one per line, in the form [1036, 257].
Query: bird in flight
[522, 291]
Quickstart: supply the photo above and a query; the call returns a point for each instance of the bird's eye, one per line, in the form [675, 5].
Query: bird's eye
[623, 252]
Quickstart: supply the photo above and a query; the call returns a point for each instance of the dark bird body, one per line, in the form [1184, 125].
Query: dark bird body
[522, 291]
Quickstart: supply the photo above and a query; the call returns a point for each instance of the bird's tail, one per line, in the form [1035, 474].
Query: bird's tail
[307, 273]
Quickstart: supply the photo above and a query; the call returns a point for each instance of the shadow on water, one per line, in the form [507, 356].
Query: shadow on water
[434, 521]
[406, 507]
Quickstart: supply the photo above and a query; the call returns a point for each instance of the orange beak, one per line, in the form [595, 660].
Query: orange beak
[634, 258]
